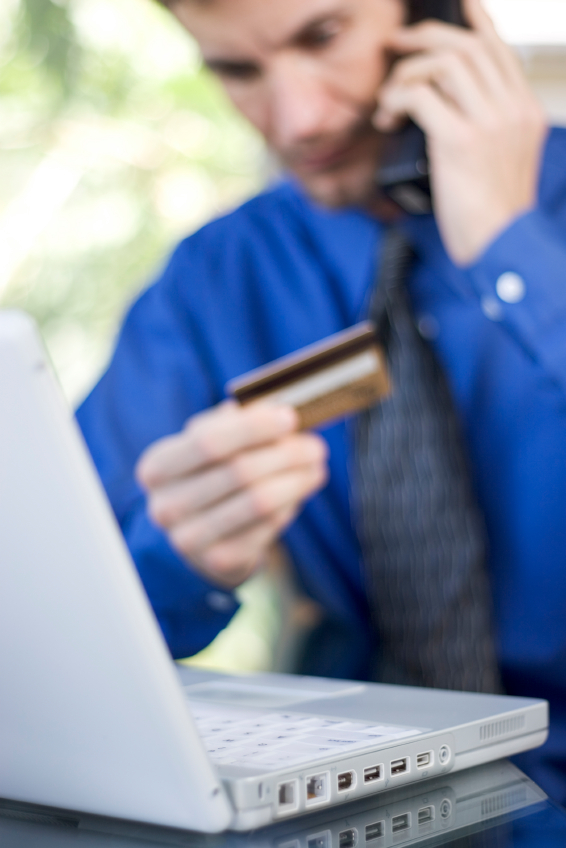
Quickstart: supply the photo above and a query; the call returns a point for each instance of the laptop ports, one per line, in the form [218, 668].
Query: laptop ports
[375, 830]
[348, 838]
[320, 840]
[373, 773]
[317, 786]
[400, 766]
[288, 797]
[400, 823]
[424, 760]
[444, 754]
[346, 780]
[446, 809]
[425, 815]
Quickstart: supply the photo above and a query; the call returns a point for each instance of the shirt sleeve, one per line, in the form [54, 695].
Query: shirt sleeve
[157, 378]
[521, 282]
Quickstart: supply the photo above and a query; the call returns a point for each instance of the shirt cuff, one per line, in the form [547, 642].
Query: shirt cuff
[521, 281]
[191, 610]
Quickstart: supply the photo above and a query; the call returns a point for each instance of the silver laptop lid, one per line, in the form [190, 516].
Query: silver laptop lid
[85, 673]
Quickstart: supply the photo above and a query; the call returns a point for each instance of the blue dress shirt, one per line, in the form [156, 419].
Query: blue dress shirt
[280, 273]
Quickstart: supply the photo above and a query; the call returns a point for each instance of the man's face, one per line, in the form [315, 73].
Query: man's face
[306, 74]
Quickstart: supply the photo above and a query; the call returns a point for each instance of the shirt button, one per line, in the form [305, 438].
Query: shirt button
[491, 308]
[510, 287]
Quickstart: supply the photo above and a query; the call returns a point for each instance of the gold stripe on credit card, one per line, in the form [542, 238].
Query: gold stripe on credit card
[330, 379]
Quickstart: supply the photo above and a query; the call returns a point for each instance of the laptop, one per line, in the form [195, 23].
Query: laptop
[95, 716]
[439, 810]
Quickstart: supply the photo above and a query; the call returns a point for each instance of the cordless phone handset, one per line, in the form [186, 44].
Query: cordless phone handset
[402, 174]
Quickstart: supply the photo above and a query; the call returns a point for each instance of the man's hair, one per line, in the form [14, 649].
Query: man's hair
[418, 9]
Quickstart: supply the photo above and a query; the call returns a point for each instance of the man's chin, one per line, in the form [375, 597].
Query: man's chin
[336, 191]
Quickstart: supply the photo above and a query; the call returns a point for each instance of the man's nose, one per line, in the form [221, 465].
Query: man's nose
[300, 105]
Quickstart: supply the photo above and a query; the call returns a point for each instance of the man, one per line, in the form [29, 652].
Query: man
[216, 483]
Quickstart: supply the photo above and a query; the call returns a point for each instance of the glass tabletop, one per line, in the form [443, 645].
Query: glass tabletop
[492, 806]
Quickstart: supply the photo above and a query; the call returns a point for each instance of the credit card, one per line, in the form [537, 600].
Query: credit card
[325, 381]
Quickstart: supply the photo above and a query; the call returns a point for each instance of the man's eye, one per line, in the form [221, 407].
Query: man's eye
[235, 70]
[320, 34]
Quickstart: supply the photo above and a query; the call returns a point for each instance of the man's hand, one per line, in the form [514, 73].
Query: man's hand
[485, 130]
[226, 486]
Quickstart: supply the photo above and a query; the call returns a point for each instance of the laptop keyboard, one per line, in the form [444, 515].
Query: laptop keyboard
[271, 740]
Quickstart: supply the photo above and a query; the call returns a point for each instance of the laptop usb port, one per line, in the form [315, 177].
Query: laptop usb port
[372, 773]
[400, 823]
[424, 760]
[348, 838]
[425, 815]
[346, 780]
[399, 766]
[375, 831]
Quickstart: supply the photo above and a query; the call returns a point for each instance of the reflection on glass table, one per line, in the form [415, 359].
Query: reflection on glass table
[491, 806]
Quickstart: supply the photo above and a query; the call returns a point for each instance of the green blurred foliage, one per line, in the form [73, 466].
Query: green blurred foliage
[114, 91]
[51, 37]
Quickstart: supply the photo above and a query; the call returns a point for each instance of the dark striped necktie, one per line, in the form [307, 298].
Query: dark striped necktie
[422, 536]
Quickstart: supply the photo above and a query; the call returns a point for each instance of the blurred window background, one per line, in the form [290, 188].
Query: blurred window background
[115, 143]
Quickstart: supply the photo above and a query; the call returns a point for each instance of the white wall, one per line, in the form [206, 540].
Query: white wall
[546, 69]
[537, 28]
